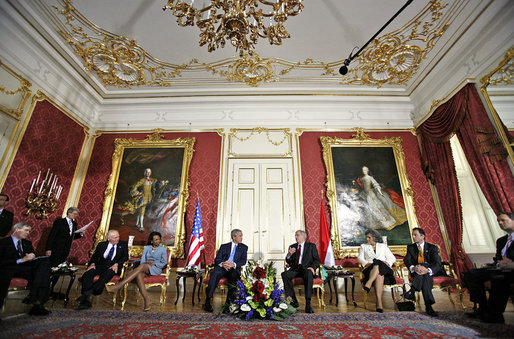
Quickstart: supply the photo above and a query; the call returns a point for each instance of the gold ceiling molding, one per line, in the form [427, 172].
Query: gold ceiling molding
[391, 59]
[15, 98]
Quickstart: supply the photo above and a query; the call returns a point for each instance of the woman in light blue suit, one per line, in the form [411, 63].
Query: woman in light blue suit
[153, 260]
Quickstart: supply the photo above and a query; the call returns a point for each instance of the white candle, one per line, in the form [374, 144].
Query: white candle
[41, 187]
[50, 179]
[32, 186]
[37, 181]
[47, 172]
[59, 192]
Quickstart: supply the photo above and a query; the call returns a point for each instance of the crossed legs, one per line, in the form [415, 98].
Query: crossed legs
[378, 280]
[138, 274]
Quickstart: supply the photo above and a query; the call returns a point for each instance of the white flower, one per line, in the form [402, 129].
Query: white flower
[249, 298]
[277, 309]
[245, 308]
[283, 306]
[232, 308]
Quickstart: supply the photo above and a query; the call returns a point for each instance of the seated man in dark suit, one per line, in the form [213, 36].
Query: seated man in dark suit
[17, 261]
[303, 260]
[423, 262]
[6, 217]
[106, 261]
[58, 244]
[500, 276]
[230, 259]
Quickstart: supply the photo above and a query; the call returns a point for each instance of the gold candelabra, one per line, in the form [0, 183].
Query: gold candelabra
[241, 22]
[43, 197]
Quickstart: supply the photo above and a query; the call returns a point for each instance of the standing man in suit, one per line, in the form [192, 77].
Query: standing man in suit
[17, 261]
[61, 236]
[106, 261]
[303, 260]
[6, 217]
[230, 259]
[500, 276]
[423, 262]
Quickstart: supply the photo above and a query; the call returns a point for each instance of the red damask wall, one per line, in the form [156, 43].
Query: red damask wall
[51, 140]
[203, 177]
[314, 179]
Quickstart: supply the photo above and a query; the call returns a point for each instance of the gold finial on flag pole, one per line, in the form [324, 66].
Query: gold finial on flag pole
[197, 195]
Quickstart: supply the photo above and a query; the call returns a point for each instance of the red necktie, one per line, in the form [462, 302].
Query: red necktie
[299, 254]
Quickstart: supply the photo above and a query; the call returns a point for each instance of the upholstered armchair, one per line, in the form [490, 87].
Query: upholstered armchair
[154, 281]
[318, 284]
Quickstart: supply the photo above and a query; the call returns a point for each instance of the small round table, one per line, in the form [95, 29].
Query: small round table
[333, 275]
[197, 278]
[54, 277]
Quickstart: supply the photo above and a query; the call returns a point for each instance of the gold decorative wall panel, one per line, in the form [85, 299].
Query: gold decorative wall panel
[392, 58]
[14, 92]
[260, 142]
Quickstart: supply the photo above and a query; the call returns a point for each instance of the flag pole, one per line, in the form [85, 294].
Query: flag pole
[203, 252]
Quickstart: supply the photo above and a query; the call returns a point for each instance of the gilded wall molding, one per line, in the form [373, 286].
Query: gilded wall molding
[119, 61]
[500, 75]
[18, 95]
[273, 136]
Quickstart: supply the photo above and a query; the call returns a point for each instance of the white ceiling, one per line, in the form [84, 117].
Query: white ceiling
[323, 34]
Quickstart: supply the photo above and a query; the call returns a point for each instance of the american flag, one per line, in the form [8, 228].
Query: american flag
[196, 244]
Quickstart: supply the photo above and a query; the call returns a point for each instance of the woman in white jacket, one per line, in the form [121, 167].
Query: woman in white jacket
[377, 260]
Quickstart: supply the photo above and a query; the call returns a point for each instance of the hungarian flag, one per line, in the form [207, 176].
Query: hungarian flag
[327, 253]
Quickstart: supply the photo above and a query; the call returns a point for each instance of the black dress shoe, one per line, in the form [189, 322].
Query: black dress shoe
[39, 310]
[493, 319]
[295, 303]
[85, 305]
[207, 306]
[409, 295]
[308, 309]
[26, 300]
[379, 310]
[431, 312]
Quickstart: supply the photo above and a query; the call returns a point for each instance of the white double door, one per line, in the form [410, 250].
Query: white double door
[261, 202]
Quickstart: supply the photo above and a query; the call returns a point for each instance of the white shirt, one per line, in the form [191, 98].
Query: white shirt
[1, 210]
[106, 253]
[422, 246]
[70, 224]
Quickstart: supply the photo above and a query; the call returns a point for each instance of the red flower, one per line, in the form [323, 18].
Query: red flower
[259, 273]
[258, 287]
[257, 297]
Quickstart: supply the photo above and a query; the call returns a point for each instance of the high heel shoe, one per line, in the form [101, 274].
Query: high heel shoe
[379, 310]
[110, 288]
[367, 289]
[147, 308]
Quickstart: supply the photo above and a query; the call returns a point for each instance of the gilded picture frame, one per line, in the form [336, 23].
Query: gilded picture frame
[368, 188]
[138, 201]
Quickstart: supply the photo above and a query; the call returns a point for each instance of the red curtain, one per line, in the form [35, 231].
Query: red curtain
[464, 115]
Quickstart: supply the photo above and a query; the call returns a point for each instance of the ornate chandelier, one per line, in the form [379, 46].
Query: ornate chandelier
[241, 22]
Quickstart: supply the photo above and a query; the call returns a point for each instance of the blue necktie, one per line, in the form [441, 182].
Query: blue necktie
[111, 253]
[231, 258]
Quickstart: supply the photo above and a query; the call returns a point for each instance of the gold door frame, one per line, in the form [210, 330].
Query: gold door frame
[155, 140]
[360, 139]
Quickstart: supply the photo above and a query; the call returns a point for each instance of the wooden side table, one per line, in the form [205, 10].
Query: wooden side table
[54, 276]
[333, 275]
[197, 278]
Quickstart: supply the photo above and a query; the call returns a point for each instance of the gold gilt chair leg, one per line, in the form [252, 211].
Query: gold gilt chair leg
[163, 295]
[449, 290]
[323, 297]
[461, 295]
[124, 296]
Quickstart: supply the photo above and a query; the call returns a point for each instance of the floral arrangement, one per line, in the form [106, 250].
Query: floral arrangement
[258, 296]
[192, 269]
[65, 267]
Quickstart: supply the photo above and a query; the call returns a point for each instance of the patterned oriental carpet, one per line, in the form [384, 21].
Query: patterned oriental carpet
[105, 324]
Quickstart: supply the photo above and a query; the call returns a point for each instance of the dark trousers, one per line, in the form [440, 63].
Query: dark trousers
[37, 272]
[308, 279]
[499, 293]
[424, 283]
[233, 275]
[89, 286]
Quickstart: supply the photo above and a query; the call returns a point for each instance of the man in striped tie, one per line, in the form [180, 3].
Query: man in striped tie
[230, 259]
[423, 262]
[498, 276]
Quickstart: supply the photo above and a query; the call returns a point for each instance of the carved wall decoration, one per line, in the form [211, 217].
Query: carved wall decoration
[391, 59]
[260, 142]
[14, 92]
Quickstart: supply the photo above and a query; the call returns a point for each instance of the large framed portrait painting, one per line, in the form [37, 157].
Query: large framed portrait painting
[368, 188]
[147, 191]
